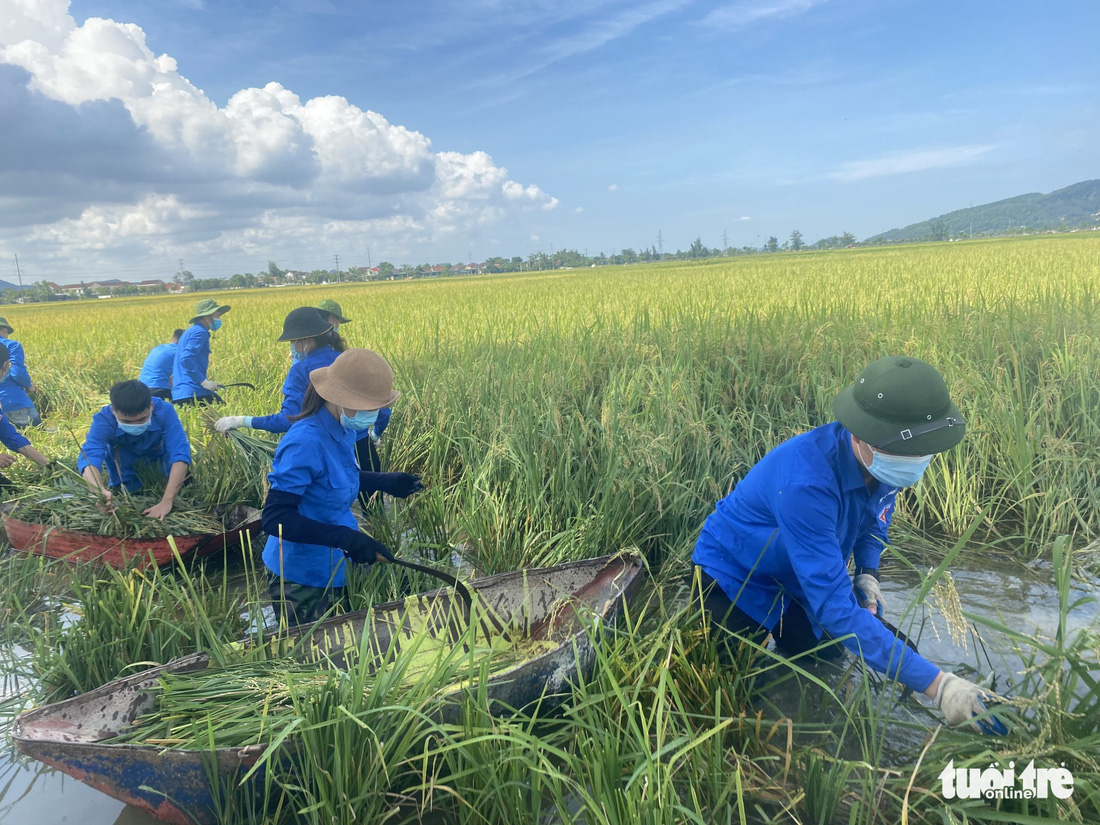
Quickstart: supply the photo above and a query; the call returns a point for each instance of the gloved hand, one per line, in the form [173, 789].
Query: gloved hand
[213, 386]
[869, 593]
[398, 485]
[362, 549]
[961, 701]
[231, 422]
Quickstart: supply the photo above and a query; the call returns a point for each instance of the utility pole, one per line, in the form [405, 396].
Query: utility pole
[725, 243]
[368, 259]
[337, 267]
[660, 243]
[20, 276]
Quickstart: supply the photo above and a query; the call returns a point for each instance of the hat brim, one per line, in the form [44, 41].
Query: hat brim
[874, 430]
[215, 311]
[295, 337]
[331, 388]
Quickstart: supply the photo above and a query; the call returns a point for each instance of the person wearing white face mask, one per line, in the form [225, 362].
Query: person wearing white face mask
[773, 556]
[135, 429]
[314, 481]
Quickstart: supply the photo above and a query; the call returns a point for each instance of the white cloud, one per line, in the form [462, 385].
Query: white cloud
[738, 15]
[267, 168]
[613, 187]
[744, 218]
[900, 163]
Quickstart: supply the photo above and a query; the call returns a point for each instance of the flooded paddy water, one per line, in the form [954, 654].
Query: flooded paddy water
[1021, 596]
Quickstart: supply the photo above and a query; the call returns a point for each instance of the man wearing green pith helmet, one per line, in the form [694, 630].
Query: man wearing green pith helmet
[773, 556]
[190, 382]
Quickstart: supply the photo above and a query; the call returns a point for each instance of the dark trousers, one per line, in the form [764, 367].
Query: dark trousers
[367, 454]
[297, 604]
[793, 634]
[161, 392]
[199, 400]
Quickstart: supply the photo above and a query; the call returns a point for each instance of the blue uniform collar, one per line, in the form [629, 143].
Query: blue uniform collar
[851, 476]
[331, 425]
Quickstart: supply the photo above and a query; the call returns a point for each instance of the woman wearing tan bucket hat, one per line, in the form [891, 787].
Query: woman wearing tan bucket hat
[314, 482]
[773, 556]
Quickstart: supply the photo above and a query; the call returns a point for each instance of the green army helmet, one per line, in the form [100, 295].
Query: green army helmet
[208, 306]
[5, 325]
[900, 405]
[330, 307]
[304, 322]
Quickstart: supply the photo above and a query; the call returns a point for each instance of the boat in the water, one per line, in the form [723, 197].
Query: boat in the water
[551, 603]
[119, 552]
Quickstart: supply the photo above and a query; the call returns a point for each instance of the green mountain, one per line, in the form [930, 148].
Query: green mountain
[1075, 207]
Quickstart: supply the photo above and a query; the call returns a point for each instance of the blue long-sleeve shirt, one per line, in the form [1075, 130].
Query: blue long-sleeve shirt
[13, 389]
[787, 531]
[11, 437]
[314, 460]
[294, 391]
[163, 444]
[156, 370]
[191, 363]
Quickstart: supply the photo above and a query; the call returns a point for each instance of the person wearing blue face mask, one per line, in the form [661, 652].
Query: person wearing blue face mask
[312, 335]
[190, 382]
[314, 481]
[773, 556]
[135, 429]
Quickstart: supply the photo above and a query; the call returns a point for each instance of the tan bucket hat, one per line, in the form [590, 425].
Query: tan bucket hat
[358, 379]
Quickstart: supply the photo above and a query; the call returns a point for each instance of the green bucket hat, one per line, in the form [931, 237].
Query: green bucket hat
[900, 405]
[208, 306]
[330, 307]
[4, 323]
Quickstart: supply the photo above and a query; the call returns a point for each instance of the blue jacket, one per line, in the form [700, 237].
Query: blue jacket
[13, 389]
[11, 437]
[156, 371]
[314, 460]
[294, 391]
[190, 364]
[163, 444]
[786, 533]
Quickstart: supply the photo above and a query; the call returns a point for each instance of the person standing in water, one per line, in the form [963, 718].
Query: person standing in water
[773, 556]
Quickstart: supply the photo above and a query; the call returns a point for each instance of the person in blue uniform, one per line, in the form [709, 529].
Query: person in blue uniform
[190, 382]
[314, 338]
[156, 370]
[315, 479]
[134, 432]
[773, 556]
[16, 403]
[11, 437]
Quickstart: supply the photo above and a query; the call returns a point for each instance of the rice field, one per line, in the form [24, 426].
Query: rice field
[571, 414]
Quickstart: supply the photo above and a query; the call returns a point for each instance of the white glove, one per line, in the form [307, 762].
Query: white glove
[207, 384]
[961, 701]
[869, 593]
[232, 422]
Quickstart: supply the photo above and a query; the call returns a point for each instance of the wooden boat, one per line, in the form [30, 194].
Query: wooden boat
[174, 785]
[113, 551]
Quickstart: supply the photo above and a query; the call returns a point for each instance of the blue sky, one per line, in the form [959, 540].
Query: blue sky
[230, 134]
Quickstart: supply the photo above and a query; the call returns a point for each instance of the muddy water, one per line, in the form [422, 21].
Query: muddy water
[1021, 597]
